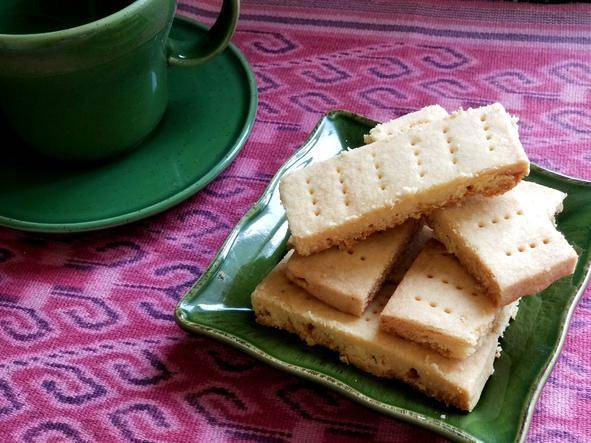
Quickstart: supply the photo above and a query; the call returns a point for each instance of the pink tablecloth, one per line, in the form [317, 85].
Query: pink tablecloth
[89, 350]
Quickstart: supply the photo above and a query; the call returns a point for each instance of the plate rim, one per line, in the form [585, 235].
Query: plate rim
[167, 203]
[416, 418]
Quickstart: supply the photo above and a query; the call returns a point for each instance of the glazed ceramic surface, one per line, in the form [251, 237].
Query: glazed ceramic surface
[95, 90]
[211, 111]
[219, 306]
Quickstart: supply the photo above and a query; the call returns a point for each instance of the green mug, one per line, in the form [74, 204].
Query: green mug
[86, 80]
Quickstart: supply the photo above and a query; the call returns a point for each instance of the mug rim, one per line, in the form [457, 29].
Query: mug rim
[109, 20]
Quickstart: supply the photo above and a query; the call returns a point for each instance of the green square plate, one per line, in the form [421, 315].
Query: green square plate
[219, 306]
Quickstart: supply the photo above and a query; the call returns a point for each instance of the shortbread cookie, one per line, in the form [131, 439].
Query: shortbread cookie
[548, 199]
[439, 305]
[384, 131]
[349, 279]
[509, 242]
[279, 303]
[380, 185]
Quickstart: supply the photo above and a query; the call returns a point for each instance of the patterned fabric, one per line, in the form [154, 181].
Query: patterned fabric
[88, 346]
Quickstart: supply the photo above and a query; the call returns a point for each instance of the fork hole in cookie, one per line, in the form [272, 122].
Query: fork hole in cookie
[447, 311]
[362, 258]
[418, 298]
[495, 220]
[532, 245]
[445, 130]
[383, 187]
[459, 288]
[508, 253]
[474, 294]
[546, 241]
[482, 117]
[433, 304]
[429, 275]
[445, 281]
[521, 248]
[520, 212]
[317, 212]
[422, 174]
[491, 148]
[412, 374]
[507, 216]
[481, 224]
[350, 252]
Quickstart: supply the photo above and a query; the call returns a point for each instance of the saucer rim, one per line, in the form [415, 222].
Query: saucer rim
[169, 202]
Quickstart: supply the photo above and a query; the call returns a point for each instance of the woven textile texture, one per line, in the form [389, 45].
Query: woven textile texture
[89, 350]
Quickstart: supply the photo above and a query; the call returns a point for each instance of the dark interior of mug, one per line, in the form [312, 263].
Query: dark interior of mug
[38, 16]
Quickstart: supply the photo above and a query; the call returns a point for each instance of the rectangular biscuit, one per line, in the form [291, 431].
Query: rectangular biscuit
[279, 303]
[509, 242]
[549, 199]
[380, 185]
[439, 305]
[384, 131]
[348, 279]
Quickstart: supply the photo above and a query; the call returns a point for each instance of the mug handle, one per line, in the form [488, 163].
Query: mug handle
[191, 53]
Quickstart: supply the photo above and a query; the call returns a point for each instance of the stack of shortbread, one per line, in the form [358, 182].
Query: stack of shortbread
[357, 225]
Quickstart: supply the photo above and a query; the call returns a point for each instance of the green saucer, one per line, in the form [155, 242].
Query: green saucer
[210, 114]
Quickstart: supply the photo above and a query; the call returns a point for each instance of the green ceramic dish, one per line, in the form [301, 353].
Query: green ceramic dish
[210, 114]
[219, 306]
